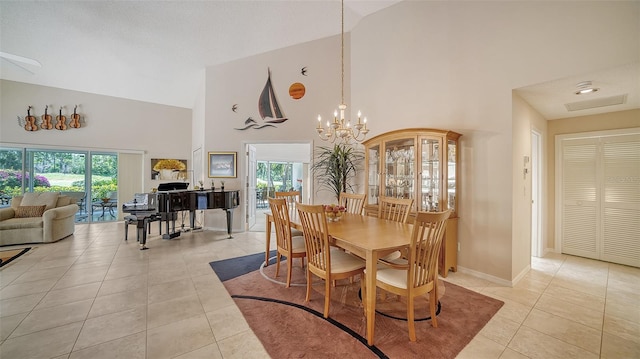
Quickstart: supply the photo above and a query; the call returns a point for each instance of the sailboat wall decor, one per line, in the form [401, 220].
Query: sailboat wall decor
[268, 108]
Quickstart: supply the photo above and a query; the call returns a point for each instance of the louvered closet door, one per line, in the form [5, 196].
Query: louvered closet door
[621, 200]
[600, 191]
[579, 198]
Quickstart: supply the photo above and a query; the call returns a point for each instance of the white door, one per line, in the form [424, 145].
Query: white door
[599, 192]
[251, 186]
[537, 247]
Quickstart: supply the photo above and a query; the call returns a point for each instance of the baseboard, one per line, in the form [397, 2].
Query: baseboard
[486, 276]
[521, 275]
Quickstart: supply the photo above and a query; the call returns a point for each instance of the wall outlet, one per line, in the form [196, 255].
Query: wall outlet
[458, 246]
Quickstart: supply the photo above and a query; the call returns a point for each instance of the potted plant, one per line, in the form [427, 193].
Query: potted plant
[336, 167]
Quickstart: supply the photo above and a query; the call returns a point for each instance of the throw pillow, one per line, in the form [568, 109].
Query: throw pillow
[29, 211]
[36, 199]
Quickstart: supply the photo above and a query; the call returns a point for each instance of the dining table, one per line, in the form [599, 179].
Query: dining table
[369, 238]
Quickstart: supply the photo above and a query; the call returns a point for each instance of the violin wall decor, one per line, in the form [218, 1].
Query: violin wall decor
[33, 123]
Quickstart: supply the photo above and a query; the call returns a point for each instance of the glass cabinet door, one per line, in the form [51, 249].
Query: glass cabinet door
[451, 174]
[399, 168]
[373, 179]
[430, 174]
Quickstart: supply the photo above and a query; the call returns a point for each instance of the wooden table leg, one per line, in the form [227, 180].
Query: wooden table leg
[268, 226]
[370, 277]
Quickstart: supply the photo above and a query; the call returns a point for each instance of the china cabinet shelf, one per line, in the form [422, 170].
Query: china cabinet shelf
[421, 164]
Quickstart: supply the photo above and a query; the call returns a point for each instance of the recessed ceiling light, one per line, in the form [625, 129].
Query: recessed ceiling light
[585, 87]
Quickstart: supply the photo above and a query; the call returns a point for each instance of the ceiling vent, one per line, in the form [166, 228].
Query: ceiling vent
[595, 103]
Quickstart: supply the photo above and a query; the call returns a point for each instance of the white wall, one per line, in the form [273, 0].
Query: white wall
[241, 82]
[111, 124]
[453, 65]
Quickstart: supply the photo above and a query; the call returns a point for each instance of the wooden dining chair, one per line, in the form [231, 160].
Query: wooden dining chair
[394, 209]
[288, 246]
[292, 197]
[419, 275]
[323, 260]
[353, 202]
[397, 210]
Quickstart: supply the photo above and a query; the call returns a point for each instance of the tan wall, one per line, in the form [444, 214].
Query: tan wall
[607, 121]
[112, 123]
[454, 65]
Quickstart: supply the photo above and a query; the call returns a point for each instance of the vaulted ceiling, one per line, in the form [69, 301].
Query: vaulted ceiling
[156, 51]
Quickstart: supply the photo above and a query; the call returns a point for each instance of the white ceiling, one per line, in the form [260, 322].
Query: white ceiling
[550, 98]
[156, 51]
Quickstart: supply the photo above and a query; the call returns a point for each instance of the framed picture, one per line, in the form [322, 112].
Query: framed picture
[168, 169]
[222, 164]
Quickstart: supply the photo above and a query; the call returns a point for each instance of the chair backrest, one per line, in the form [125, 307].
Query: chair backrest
[353, 202]
[394, 209]
[280, 212]
[316, 238]
[426, 241]
[291, 196]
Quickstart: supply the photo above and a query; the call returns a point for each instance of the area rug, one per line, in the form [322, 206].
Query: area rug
[9, 255]
[290, 328]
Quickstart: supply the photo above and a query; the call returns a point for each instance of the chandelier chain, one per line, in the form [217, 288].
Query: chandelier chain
[340, 128]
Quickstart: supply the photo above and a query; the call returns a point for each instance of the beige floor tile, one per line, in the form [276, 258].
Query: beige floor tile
[183, 287]
[127, 270]
[81, 276]
[511, 310]
[564, 329]
[64, 262]
[210, 351]
[481, 347]
[227, 322]
[581, 283]
[570, 311]
[242, 345]
[173, 310]
[512, 354]
[118, 302]
[123, 285]
[622, 328]
[112, 326]
[22, 289]
[623, 308]
[536, 345]
[68, 295]
[500, 329]
[46, 318]
[129, 347]
[39, 274]
[22, 304]
[8, 324]
[44, 344]
[522, 296]
[179, 337]
[615, 347]
[531, 284]
[593, 302]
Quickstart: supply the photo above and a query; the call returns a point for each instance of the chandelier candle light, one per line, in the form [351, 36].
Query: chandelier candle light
[341, 128]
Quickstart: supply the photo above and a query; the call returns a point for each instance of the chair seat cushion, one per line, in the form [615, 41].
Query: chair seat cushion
[394, 277]
[342, 262]
[297, 245]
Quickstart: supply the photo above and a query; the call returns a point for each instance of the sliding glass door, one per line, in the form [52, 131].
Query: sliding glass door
[67, 172]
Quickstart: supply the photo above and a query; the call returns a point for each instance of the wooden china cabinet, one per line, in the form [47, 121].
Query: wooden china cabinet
[418, 163]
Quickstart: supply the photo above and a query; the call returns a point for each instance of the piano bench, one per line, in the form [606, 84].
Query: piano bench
[143, 223]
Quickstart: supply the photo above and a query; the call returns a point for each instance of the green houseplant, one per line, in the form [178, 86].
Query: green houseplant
[336, 167]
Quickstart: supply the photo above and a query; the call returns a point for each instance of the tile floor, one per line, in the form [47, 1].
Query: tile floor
[93, 295]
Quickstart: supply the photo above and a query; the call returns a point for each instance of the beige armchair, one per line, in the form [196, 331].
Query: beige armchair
[23, 223]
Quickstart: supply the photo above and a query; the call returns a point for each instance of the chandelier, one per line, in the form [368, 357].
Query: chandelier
[341, 128]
